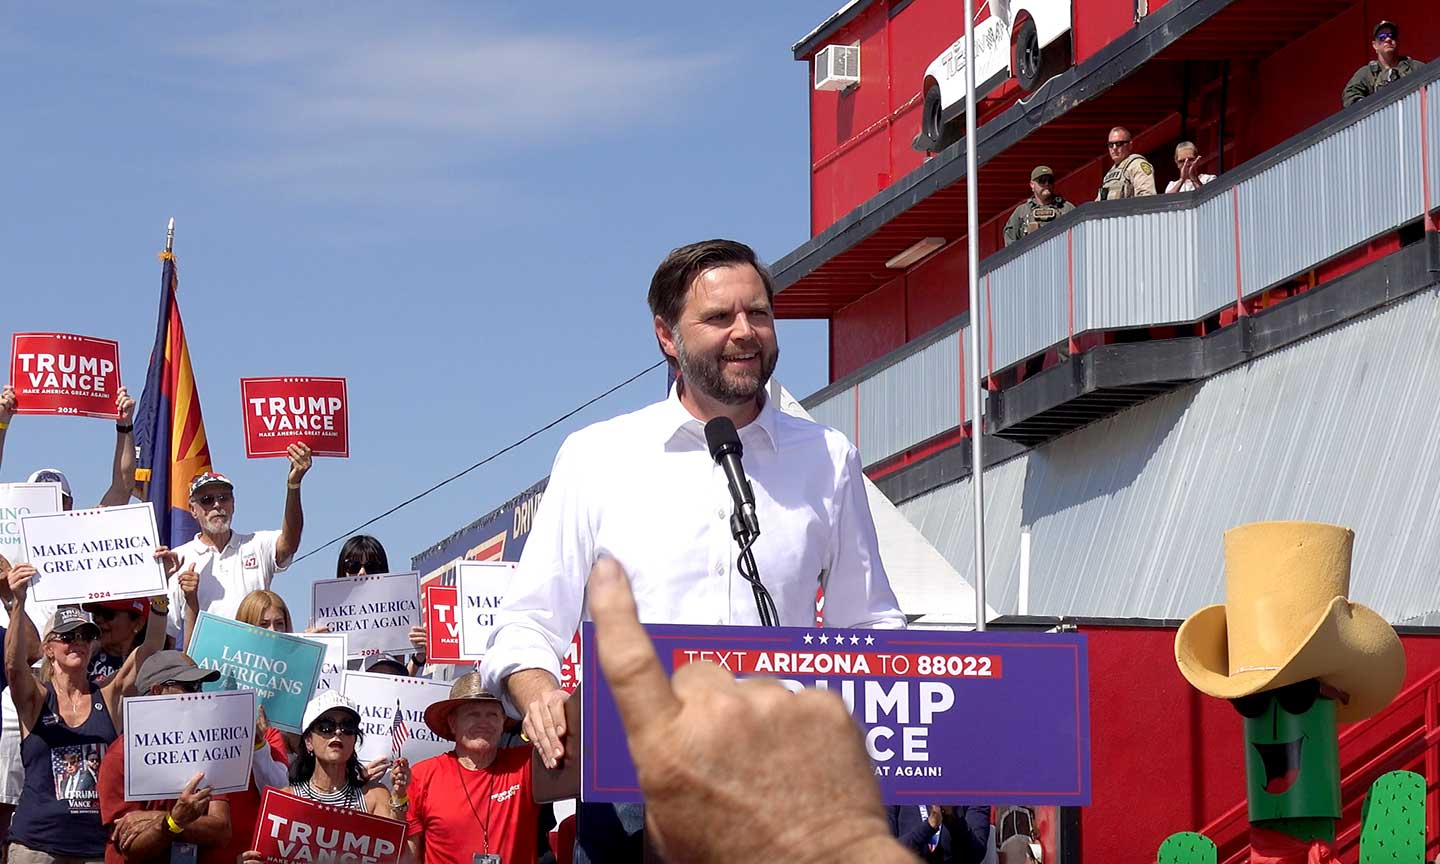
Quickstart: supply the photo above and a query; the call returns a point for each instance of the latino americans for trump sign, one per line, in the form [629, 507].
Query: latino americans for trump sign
[964, 718]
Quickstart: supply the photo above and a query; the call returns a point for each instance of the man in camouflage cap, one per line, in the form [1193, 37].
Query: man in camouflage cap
[1131, 175]
[1387, 66]
[1044, 206]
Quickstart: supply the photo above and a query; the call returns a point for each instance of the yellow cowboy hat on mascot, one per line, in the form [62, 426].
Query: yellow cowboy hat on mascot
[1287, 617]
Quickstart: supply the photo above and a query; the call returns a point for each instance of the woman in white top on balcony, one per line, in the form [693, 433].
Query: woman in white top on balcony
[1187, 159]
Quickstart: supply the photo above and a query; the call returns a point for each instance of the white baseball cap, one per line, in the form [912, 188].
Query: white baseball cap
[53, 475]
[328, 700]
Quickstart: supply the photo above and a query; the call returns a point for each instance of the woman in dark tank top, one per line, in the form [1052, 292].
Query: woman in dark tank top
[66, 722]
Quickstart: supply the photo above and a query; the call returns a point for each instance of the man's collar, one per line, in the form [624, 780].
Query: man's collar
[675, 417]
[229, 541]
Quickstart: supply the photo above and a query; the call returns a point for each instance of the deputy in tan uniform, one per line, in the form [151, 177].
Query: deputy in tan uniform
[1044, 206]
[1132, 175]
[1387, 66]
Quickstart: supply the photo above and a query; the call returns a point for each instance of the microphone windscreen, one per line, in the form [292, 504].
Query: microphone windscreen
[722, 437]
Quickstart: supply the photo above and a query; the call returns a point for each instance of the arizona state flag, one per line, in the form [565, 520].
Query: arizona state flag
[169, 433]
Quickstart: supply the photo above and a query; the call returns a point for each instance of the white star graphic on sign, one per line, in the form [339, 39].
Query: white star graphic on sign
[854, 640]
[869, 640]
[808, 638]
[824, 640]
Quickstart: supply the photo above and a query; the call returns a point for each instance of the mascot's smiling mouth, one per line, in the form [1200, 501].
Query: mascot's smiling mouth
[1282, 764]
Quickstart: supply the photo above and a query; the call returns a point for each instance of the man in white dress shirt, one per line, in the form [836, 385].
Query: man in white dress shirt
[643, 489]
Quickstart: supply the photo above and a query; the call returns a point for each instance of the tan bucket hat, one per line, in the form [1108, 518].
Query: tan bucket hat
[1287, 617]
[465, 689]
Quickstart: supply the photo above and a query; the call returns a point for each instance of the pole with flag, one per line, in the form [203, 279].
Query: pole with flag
[170, 440]
[972, 231]
[399, 733]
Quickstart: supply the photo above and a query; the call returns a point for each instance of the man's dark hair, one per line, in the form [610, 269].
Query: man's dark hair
[672, 278]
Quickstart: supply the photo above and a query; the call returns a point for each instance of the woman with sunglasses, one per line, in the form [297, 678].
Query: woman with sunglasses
[329, 772]
[61, 713]
[122, 630]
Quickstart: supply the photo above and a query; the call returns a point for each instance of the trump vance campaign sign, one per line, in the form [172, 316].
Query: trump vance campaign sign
[283, 411]
[61, 373]
[959, 717]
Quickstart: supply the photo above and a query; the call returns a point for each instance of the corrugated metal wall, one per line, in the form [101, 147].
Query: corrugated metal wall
[1133, 270]
[1028, 300]
[1350, 186]
[1126, 516]
[1432, 132]
[837, 412]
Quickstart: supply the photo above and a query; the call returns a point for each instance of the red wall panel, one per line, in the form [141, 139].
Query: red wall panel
[869, 328]
[936, 290]
[1164, 758]
[1097, 23]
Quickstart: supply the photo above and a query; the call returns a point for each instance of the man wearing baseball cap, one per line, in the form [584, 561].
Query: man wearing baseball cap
[143, 831]
[1043, 206]
[478, 799]
[227, 564]
[1387, 66]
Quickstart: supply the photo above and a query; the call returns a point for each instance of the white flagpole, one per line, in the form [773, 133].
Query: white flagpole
[972, 229]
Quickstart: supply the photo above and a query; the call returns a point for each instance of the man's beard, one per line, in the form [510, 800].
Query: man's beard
[707, 374]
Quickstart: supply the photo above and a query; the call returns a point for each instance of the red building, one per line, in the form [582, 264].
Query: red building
[1156, 369]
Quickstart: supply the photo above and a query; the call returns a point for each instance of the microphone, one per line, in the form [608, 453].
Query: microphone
[724, 442]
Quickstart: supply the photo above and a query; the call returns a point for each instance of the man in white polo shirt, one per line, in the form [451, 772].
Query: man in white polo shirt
[230, 565]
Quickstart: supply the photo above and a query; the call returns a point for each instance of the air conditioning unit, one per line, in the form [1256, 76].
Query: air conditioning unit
[837, 67]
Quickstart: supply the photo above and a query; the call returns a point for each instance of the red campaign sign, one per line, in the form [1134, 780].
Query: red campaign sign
[570, 666]
[60, 373]
[442, 624]
[292, 830]
[283, 411]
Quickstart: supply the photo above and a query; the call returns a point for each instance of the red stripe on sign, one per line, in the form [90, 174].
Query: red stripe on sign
[854, 664]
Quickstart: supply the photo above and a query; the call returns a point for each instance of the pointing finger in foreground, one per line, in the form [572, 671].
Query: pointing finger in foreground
[627, 657]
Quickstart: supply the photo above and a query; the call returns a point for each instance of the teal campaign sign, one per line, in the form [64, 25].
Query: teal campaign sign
[282, 669]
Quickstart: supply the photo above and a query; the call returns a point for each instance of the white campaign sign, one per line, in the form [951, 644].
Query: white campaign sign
[482, 586]
[169, 739]
[376, 612]
[23, 499]
[105, 553]
[377, 695]
[334, 663]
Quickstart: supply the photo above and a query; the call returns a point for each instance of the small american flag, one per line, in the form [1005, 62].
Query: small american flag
[399, 732]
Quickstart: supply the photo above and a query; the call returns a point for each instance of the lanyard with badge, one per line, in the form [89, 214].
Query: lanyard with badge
[486, 857]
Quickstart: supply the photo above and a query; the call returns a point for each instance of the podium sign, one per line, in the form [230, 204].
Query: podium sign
[947, 716]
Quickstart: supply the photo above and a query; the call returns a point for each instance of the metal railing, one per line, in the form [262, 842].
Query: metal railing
[1170, 259]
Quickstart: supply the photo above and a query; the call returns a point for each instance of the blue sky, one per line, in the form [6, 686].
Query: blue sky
[457, 206]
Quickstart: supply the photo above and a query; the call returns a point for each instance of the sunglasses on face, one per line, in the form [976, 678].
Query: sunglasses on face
[355, 565]
[1113, 144]
[1385, 36]
[1295, 699]
[1045, 181]
[208, 501]
[70, 638]
[326, 728]
[184, 686]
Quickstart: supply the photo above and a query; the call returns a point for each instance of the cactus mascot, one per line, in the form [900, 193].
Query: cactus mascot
[1295, 657]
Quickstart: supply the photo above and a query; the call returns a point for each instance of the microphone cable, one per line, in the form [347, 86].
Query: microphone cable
[750, 572]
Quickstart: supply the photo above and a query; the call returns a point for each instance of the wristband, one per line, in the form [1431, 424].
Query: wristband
[4, 426]
[292, 486]
[124, 430]
[175, 827]
[259, 745]
[400, 803]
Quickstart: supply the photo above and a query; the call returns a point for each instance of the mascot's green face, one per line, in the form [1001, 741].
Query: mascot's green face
[1292, 754]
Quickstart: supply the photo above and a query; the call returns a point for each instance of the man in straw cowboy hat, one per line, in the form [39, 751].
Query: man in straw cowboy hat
[1295, 656]
[475, 803]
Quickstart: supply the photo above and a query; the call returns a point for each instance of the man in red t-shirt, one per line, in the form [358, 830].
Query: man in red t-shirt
[148, 831]
[477, 799]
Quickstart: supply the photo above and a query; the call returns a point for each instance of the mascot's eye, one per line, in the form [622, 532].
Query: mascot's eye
[1252, 706]
[1299, 697]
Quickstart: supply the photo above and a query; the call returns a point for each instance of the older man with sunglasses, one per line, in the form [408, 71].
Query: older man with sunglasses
[229, 565]
[1131, 175]
[1387, 66]
[1043, 206]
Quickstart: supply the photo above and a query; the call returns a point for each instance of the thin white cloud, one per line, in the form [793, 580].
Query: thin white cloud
[341, 108]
